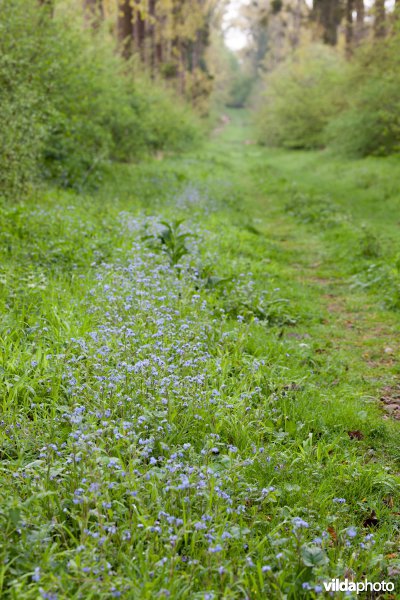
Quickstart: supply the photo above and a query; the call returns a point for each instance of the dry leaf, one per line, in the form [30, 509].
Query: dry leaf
[355, 435]
[389, 501]
[372, 520]
[332, 533]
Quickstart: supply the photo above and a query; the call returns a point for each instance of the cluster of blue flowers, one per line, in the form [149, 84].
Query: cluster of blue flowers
[148, 475]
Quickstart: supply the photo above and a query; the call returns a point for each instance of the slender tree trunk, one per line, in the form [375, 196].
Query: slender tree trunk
[182, 70]
[360, 8]
[94, 12]
[49, 4]
[196, 52]
[328, 14]
[176, 50]
[139, 30]
[380, 19]
[397, 10]
[359, 26]
[125, 27]
[295, 37]
[159, 53]
[349, 27]
[152, 36]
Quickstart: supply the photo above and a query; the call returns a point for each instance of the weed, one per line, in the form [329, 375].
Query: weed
[174, 240]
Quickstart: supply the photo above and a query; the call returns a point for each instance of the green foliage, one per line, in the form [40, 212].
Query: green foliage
[166, 123]
[154, 442]
[23, 101]
[308, 208]
[173, 241]
[351, 205]
[232, 80]
[241, 83]
[240, 90]
[316, 99]
[370, 121]
[69, 103]
[300, 99]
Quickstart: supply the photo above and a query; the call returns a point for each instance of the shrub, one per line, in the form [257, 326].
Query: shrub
[167, 123]
[23, 100]
[317, 99]
[370, 123]
[301, 96]
[69, 103]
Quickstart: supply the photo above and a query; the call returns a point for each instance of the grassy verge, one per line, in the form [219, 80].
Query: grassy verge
[184, 412]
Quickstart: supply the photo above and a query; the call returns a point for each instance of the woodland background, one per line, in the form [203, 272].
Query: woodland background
[199, 298]
[83, 83]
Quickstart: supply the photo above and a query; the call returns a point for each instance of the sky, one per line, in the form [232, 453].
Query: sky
[235, 38]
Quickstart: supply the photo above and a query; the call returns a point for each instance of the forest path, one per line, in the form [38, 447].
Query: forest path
[190, 381]
[322, 251]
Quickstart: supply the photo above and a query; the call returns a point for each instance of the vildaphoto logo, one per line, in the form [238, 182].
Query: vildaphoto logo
[345, 585]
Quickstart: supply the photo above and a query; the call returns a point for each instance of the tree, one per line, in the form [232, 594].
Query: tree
[139, 28]
[125, 27]
[349, 27]
[328, 14]
[274, 29]
[94, 12]
[380, 19]
[359, 29]
[151, 35]
[49, 4]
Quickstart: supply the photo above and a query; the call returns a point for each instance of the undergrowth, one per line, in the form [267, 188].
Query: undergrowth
[70, 105]
[171, 426]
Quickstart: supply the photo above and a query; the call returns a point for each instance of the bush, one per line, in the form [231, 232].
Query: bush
[166, 122]
[23, 101]
[370, 123]
[317, 99]
[69, 103]
[301, 97]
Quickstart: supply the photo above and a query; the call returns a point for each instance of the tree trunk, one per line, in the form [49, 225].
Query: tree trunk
[94, 12]
[397, 10]
[139, 31]
[328, 14]
[349, 27]
[125, 27]
[360, 8]
[159, 53]
[295, 37]
[359, 28]
[380, 19]
[49, 4]
[152, 36]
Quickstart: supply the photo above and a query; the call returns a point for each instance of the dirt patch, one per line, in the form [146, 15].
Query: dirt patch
[366, 338]
[391, 401]
[223, 121]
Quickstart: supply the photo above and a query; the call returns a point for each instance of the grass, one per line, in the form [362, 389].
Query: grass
[192, 361]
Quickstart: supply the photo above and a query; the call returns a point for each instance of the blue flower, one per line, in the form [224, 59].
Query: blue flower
[214, 549]
[266, 568]
[318, 589]
[299, 523]
[351, 532]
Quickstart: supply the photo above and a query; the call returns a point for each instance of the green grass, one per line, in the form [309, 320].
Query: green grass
[183, 357]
